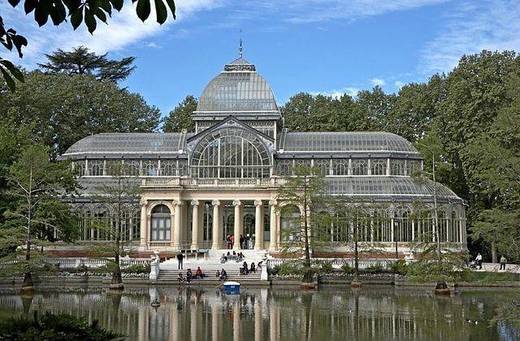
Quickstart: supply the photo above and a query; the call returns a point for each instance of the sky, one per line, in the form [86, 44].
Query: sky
[317, 46]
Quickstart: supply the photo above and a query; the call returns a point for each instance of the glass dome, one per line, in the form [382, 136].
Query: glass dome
[237, 89]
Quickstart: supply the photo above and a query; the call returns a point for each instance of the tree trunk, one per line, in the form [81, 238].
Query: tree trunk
[494, 258]
[117, 279]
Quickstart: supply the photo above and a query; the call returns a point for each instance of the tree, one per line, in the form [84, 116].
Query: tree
[35, 184]
[376, 106]
[63, 109]
[78, 12]
[80, 61]
[305, 191]
[180, 118]
[119, 195]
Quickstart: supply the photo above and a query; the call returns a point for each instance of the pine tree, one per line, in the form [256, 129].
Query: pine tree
[81, 61]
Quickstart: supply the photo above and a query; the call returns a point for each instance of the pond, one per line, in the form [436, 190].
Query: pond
[370, 313]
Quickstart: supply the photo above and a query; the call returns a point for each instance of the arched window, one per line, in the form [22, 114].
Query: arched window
[230, 153]
[359, 167]
[378, 167]
[340, 167]
[161, 222]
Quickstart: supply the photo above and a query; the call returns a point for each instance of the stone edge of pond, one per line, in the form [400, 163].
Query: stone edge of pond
[102, 281]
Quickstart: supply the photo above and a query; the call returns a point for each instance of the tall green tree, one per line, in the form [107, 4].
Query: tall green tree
[35, 185]
[75, 13]
[181, 117]
[63, 109]
[306, 192]
[80, 61]
[120, 195]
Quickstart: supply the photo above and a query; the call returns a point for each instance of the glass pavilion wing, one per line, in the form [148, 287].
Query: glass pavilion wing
[231, 152]
[345, 141]
[387, 187]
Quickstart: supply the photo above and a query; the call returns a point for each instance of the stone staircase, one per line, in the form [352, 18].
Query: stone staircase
[169, 273]
[233, 275]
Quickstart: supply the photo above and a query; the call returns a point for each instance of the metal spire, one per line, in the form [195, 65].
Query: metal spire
[241, 47]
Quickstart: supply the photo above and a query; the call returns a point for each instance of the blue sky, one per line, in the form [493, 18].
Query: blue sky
[318, 46]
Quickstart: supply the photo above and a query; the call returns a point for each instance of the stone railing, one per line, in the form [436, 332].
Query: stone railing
[339, 262]
[241, 182]
[75, 262]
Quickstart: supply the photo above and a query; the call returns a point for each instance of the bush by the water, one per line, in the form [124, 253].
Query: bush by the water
[53, 327]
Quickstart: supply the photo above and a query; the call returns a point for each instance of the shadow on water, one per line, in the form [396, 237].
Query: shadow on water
[283, 314]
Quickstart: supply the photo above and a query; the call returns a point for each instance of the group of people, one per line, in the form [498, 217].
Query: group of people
[232, 256]
[246, 242]
[245, 270]
[221, 275]
[190, 275]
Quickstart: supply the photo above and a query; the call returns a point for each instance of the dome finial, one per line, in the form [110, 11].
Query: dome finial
[241, 46]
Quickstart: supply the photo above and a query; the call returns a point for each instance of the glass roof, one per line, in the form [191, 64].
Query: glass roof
[387, 186]
[128, 143]
[240, 89]
[345, 142]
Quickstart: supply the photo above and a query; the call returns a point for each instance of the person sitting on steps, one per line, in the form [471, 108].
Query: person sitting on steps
[244, 270]
[198, 273]
[180, 278]
[223, 275]
[252, 268]
[189, 276]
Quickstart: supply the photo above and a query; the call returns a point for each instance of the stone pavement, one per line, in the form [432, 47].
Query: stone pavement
[494, 267]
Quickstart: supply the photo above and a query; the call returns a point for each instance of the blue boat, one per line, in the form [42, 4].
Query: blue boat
[232, 288]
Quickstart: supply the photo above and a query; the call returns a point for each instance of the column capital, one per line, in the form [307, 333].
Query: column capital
[178, 203]
[194, 203]
[143, 202]
[258, 203]
[215, 202]
[273, 202]
[237, 203]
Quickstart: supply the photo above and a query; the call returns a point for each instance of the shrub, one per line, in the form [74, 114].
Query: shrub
[52, 327]
[400, 267]
[375, 268]
[347, 269]
[326, 268]
[137, 268]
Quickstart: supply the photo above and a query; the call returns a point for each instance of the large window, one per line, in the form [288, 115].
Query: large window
[161, 222]
[230, 153]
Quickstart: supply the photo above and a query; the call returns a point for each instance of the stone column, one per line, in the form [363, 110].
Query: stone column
[259, 225]
[144, 226]
[273, 244]
[195, 224]
[216, 225]
[176, 235]
[238, 224]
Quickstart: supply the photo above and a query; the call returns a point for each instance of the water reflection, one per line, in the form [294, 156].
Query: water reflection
[262, 314]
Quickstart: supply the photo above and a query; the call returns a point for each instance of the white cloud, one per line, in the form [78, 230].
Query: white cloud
[124, 28]
[398, 85]
[309, 11]
[337, 93]
[472, 27]
[377, 82]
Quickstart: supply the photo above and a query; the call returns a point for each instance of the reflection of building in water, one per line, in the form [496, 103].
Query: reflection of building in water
[276, 315]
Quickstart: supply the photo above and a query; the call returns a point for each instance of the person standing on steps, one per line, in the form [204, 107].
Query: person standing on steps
[180, 258]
